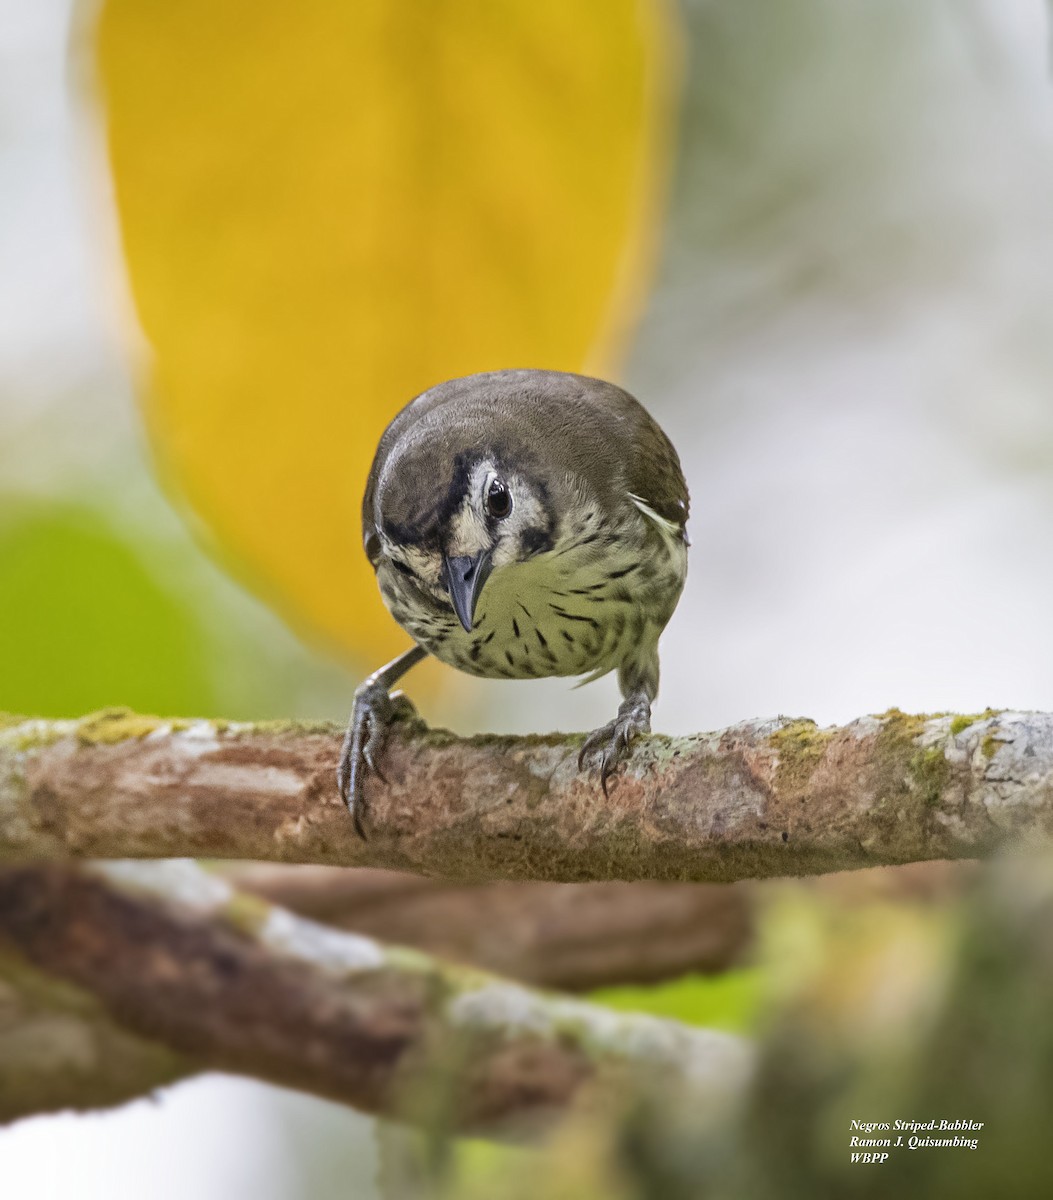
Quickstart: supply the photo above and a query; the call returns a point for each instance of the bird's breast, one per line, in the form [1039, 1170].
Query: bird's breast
[579, 609]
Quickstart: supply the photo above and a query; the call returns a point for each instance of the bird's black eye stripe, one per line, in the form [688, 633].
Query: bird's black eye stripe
[401, 567]
[498, 500]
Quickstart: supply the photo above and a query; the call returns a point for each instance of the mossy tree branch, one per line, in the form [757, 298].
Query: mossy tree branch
[119, 977]
[760, 799]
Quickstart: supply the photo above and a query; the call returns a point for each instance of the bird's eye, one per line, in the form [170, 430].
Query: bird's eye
[498, 500]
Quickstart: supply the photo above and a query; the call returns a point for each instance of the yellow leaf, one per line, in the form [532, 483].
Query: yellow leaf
[327, 207]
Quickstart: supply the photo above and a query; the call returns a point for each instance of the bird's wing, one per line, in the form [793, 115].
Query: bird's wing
[656, 482]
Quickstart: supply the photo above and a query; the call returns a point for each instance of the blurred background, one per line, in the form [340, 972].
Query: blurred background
[813, 236]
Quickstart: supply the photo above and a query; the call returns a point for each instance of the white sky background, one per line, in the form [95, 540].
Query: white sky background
[850, 344]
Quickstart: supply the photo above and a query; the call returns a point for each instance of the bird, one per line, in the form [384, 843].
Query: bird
[522, 524]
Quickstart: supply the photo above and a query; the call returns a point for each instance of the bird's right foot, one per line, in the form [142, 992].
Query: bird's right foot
[372, 715]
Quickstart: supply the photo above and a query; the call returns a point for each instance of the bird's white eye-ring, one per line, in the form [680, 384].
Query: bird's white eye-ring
[498, 500]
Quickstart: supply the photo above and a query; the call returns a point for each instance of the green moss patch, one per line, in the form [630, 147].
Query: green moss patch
[800, 746]
[112, 725]
[930, 772]
[964, 720]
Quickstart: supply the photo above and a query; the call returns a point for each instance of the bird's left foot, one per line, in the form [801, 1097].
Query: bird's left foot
[613, 742]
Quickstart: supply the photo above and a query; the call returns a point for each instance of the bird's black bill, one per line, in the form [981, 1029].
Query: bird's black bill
[465, 576]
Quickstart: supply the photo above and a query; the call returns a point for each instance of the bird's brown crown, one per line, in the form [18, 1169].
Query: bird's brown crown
[565, 438]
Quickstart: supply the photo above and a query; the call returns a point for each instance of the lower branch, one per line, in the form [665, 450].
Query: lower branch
[59, 1048]
[154, 970]
[759, 799]
[570, 936]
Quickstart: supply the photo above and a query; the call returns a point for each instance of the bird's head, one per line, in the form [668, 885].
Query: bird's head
[485, 472]
[449, 520]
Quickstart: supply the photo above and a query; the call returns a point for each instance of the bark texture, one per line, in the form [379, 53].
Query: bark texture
[123, 976]
[761, 799]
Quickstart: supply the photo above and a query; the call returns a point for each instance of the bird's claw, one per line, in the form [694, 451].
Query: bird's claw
[373, 712]
[613, 741]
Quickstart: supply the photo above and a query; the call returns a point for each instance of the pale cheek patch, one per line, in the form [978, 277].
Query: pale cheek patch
[468, 530]
[426, 565]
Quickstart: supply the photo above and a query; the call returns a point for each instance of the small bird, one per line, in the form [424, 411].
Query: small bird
[523, 524]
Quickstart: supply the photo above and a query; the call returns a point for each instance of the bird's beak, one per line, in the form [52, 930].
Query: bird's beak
[465, 576]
